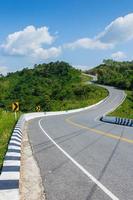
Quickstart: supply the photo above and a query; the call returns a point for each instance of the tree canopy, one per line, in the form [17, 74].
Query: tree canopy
[119, 74]
[53, 86]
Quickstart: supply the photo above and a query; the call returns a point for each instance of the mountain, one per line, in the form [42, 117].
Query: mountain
[119, 74]
[53, 86]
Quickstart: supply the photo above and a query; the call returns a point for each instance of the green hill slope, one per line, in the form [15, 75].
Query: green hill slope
[118, 74]
[53, 86]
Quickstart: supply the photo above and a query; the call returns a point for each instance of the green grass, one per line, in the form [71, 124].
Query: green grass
[125, 110]
[95, 95]
[85, 77]
[7, 123]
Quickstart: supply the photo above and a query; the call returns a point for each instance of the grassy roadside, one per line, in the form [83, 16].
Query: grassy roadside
[7, 123]
[125, 110]
[87, 94]
[85, 77]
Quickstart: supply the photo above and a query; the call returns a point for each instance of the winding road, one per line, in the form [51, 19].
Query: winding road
[82, 158]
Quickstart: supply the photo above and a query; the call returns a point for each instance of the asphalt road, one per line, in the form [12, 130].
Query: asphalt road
[81, 158]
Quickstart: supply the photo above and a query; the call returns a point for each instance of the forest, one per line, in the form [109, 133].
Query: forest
[53, 86]
[119, 74]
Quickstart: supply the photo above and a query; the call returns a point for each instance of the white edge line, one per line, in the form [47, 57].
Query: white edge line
[100, 185]
[122, 100]
[113, 109]
[30, 116]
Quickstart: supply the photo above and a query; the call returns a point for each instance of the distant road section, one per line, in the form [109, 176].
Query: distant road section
[82, 158]
[94, 77]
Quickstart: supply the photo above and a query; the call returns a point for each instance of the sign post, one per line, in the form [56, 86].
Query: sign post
[15, 108]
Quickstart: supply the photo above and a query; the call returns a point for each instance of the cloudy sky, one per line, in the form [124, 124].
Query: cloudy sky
[81, 32]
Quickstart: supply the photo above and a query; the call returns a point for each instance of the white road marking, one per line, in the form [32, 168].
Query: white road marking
[100, 185]
[122, 100]
[114, 108]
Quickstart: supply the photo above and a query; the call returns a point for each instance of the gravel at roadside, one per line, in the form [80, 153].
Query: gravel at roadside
[31, 187]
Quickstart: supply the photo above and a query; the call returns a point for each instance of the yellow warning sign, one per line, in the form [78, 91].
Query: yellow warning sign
[15, 106]
[38, 108]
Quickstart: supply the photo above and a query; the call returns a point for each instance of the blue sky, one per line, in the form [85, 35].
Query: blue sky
[37, 31]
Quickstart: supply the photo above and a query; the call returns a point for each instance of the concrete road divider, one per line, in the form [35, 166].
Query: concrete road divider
[117, 120]
[9, 178]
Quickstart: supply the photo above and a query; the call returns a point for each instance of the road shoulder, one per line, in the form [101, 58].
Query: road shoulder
[31, 187]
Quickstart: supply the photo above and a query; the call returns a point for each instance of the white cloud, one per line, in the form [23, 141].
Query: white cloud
[3, 70]
[118, 55]
[118, 31]
[46, 53]
[30, 42]
[88, 43]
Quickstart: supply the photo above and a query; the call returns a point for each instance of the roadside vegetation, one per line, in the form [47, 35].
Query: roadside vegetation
[54, 86]
[125, 110]
[85, 77]
[118, 74]
[7, 123]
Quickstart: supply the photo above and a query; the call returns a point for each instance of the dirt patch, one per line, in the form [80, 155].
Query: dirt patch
[31, 187]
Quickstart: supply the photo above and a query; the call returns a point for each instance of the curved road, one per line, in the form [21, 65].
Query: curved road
[81, 158]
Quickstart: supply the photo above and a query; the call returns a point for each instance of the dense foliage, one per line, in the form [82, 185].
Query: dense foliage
[7, 123]
[53, 86]
[119, 74]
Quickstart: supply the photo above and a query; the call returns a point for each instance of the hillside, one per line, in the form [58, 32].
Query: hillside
[119, 74]
[53, 86]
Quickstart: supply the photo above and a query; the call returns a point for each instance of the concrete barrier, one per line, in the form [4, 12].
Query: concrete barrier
[117, 120]
[9, 178]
